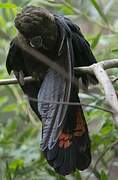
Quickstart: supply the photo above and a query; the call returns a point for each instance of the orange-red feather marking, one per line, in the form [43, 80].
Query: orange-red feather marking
[80, 125]
[65, 138]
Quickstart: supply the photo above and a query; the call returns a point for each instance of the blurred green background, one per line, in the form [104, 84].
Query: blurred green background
[20, 156]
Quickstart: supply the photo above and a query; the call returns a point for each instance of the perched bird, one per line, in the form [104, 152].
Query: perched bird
[65, 139]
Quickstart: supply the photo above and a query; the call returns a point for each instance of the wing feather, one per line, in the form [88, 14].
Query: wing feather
[56, 88]
[52, 89]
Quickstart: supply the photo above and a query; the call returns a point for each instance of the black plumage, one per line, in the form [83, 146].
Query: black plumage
[65, 140]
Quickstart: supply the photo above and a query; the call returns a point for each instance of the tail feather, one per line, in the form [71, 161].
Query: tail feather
[83, 152]
[58, 161]
[52, 154]
[72, 150]
[67, 160]
[66, 165]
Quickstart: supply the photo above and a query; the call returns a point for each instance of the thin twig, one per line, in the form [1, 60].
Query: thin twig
[115, 79]
[15, 81]
[97, 69]
[78, 12]
[69, 103]
[29, 79]
[93, 68]
[100, 157]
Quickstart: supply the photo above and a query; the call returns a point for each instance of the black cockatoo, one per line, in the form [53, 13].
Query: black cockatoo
[65, 139]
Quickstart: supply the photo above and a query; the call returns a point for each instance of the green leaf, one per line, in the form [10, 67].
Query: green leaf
[59, 177]
[18, 163]
[49, 4]
[115, 50]
[7, 5]
[3, 100]
[50, 171]
[96, 40]
[67, 10]
[8, 172]
[99, 10]
[77, 175]
[51, 1]
[106, 129]
[9, 108]
[103, 176]
[96, 173]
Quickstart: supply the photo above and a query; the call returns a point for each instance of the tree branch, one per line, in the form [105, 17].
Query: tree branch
[107, 64]
[111, 97]
[99, 70]
[30, 79]
[100, 157]
[109, 91]
[39, 57]
[15, 81]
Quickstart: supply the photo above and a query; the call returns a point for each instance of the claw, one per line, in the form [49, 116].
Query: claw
[20, 76]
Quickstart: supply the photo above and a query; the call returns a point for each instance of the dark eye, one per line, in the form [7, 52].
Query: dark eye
[36, 42]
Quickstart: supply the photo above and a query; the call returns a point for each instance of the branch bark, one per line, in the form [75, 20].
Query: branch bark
[15, 81]
[107, 64]
[98, 69]
[100, 73]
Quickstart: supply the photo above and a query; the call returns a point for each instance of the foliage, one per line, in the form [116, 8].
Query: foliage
[20, 156]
